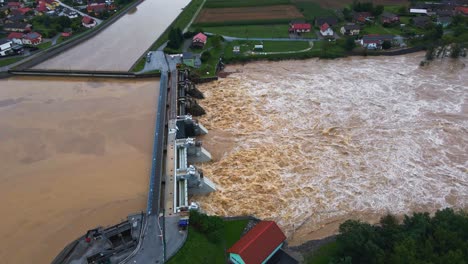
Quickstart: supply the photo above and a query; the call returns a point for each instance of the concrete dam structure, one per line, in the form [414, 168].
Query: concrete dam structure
[173, 178]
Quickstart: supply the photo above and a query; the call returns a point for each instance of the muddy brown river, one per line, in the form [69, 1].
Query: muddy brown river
[311, 143]
[75, 154]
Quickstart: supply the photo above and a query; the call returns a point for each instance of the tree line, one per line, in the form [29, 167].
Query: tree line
[419, 239]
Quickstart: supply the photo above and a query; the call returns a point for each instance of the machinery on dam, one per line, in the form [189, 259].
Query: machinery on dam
[173, 178]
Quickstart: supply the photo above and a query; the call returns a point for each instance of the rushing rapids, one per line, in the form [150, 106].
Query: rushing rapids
[311, 143]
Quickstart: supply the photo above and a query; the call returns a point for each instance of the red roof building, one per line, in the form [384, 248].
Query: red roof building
[15, 35]
[13, 5]
[258, 245]
[88, 22]
[199, 40]
[32, 38]
[324, 27]
[462, 10]
[96, 8]
[41, 7]
[66, 34]
[300, 27]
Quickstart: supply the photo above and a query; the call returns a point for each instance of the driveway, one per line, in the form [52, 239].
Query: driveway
[98, 21]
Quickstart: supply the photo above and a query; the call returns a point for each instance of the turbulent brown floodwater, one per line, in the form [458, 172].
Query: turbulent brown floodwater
[74, 154]
[311, 143]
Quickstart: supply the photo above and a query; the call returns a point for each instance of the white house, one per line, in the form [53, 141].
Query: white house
[326, 30]
[418, 11]
[5, 47]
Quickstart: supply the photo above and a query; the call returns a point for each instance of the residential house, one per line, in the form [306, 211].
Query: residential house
[16, 37]
[375, 41]
[462, 10]
[96, 8]
[362, 17]
[331, 21]
[350, 29]
[41, 8]
[14, 19]
[298, 28]
[418, 11]
[190, 59]
[32, 38]
[69, 13]
[326, 30]
[20, 11]
[5, 47]
[14, 5]
[444, 21]
[258, 245]
[389, 18]
[88, 22]
[445, 13]
[199, 40]
[421, 21]
[17, 27]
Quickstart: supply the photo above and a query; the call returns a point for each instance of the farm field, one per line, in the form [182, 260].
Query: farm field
[213, 15]
[243, 3]
[247, 31]
[342, 3]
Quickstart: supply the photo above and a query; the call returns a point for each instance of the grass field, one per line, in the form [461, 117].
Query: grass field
[8, 61]
[44, 45]
[248, 31]
[312, 10]
[233, 231]
[243, 3]
[323, 255]
[199, 250]
[379, 29]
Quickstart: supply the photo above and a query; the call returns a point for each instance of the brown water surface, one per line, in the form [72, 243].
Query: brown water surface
[74, 154]
[311, 143]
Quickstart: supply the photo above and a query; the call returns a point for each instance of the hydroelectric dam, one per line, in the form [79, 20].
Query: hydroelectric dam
[158, 233]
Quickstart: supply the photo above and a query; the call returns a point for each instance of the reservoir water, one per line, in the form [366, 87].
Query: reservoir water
[312, 143]
[74, 154]
[119, 46]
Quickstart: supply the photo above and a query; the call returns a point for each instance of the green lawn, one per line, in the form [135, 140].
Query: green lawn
[44, 45]
[197, 249]
[251, 31]
[233, 231]
[243, 3]
[323, 255]
[8, 61]
[379, 29]
[312, 10]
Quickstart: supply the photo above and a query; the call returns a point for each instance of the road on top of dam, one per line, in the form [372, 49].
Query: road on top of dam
[120, 45]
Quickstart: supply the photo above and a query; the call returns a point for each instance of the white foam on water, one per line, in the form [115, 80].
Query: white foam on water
[379, 135]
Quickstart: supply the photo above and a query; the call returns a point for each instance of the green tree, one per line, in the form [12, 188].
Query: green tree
[386, 45]
[349, 44]
[205, 56]
[378, 10]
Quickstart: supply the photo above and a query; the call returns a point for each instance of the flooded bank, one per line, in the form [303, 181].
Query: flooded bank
[119, 46]
[75, 154]
[312, 143]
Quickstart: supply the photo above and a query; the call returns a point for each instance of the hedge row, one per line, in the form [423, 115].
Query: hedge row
[244, 3]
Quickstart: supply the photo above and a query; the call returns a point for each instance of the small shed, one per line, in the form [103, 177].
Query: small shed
[236, 49]
[258, 245]
[199, 40]
[258, 47]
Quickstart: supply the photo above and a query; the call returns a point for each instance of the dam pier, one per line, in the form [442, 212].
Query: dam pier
[158, 233]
